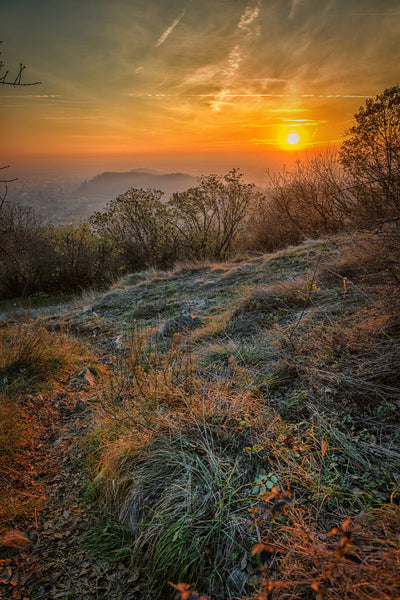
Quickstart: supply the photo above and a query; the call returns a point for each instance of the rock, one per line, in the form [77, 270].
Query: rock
[117, 343]
[84, 378]
[182, 323]
[199, 304]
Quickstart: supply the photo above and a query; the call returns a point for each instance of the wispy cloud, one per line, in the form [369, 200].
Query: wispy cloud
[40, 96]
[235, 58]
[303, 122]
[72, 117]
[248, 17]
[170, 29]
[220, 100]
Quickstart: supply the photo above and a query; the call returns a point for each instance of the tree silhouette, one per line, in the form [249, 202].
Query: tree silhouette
[17, 81]
[371, 154]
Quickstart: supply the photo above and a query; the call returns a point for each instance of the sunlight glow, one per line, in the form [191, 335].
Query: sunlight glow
[293, 139]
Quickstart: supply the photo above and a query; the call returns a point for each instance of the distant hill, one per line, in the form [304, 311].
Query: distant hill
[108, 185]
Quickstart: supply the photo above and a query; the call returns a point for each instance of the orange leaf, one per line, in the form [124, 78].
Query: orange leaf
[346, 524]
[315, 586]
[257, 548]
[324, 447]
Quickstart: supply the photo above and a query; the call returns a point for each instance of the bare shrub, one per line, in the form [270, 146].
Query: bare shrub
[23, 245]
[38, 257]
[312, 200]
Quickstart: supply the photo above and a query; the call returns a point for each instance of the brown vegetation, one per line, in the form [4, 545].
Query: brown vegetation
[256, 456]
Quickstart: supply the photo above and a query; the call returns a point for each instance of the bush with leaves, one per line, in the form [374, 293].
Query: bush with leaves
[79, 258]
[371, 155]
[211, 217]
[138, 225]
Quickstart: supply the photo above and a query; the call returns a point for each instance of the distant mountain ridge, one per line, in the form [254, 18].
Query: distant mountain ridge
[110, 184]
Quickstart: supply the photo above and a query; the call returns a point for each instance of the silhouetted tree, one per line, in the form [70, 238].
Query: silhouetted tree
[17, 80]
[371, 155]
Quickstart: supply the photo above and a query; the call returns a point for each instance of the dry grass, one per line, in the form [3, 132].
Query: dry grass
[30, 354]
[34, 365]
[292, 381]
[277, 302]
[357, 560]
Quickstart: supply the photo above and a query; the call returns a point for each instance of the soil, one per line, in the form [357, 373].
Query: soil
[45, 557]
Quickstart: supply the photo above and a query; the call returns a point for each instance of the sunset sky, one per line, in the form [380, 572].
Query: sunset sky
[188, 84]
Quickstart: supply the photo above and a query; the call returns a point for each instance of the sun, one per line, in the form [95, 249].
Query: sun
[293, 139]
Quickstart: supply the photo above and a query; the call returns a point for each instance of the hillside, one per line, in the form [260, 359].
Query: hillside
[61, 202]
[107, 186]
[231, 425]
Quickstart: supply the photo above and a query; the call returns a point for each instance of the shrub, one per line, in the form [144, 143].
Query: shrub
[38, 257]
[312, 200]
[137, 224]
[210, 218]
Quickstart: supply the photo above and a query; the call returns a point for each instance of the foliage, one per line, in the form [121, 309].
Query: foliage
[79, 258]
[211, 216]
[137, 225]
[371, 155]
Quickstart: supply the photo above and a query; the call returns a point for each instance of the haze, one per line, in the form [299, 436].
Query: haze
[193, 85]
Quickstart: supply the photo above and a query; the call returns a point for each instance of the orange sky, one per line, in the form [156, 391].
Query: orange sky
[185, 84]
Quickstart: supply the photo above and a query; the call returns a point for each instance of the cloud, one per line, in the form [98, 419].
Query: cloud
[248, 17]
[234, 60]
[227, 70]
[170, 29]
[72, 117]
[219, 100]
[303, 122]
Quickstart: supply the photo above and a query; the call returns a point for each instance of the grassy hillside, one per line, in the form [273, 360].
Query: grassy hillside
[245, 438]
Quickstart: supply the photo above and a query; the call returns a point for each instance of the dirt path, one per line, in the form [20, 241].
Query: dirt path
[44, 557]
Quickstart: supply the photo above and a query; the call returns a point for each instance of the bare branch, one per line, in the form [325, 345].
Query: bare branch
[7, 180]
[18, 79]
